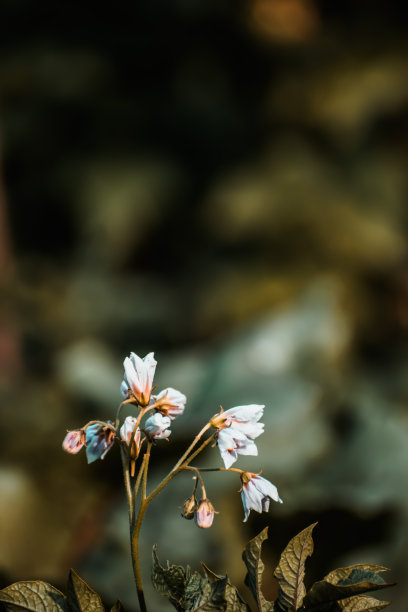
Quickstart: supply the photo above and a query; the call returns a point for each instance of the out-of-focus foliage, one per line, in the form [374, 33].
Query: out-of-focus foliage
[223, 182]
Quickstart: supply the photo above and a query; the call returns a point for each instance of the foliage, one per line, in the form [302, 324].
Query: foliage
[342, 590]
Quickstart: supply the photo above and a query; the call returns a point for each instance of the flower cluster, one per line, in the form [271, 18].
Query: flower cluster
[235, 432]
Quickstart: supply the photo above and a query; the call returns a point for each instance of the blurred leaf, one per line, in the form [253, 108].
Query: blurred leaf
[252, 559]
[291, 570]
[344, 583]
[224, 597]
[80, 596]
[118, 607]
[36, 596]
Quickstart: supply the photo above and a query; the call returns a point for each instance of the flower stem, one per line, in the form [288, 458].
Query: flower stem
[126, 477]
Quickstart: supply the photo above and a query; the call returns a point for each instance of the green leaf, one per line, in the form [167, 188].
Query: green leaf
[344, 583]
[80, 596]
[35, 596]
[252, 559]
[291, 571]
[118, 607]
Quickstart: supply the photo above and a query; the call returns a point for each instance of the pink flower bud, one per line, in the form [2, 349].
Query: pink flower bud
[204, 514]
[74, 441]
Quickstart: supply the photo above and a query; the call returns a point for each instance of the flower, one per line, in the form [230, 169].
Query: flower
[99, 439]
[74, 441]
[126, 432]
[172, 402]
[237, 429]
[138, 378]
[256, 493]
[204, 514]
[156, 426]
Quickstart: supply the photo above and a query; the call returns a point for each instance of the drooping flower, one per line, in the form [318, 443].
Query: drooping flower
[157, 425]
[126, 432]
[204, 514]
[237, 429]
[232, 443]
[138, 378]
[99, 440]
[172, 402]
[256, 493]
[74, 441]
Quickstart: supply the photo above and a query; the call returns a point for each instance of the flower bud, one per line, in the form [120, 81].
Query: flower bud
[74, 441]
[189, 507]
[99, 440]
[156, 426]
[204, 514]
[171, 402]
[126, 432]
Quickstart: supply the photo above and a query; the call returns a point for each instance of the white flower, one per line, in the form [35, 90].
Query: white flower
[126, 432]
[173, 402]
[138, 377]
[232, 443]
[256, 493]
[237, 429]
[156, 426]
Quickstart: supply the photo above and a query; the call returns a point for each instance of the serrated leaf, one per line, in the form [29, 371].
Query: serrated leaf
[291, 571]
[118, 607]
[252, 559]
[196, 593]
[345, 582]
[170, 581]
[81, 597]
[34, 596]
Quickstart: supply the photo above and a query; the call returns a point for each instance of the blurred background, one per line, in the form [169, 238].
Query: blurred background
[223, 183]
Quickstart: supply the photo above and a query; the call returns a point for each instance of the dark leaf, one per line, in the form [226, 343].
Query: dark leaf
[252, 559]
[35, 596]
[291, 571]
[223, 597]
[80, 596]
[362, 604]
[170, 581]
[118, 607]
[196, 593]
[344, 583]
[210, 574]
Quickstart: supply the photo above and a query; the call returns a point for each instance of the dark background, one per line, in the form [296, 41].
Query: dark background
[223, 183]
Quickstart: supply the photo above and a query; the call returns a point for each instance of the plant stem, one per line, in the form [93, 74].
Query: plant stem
[199, 478]
[126, 477]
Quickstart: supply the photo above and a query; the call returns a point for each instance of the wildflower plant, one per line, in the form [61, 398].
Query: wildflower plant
[234, 432]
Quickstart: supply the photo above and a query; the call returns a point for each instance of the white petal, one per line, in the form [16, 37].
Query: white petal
[266, 488]
[252, 412]
[250, 429]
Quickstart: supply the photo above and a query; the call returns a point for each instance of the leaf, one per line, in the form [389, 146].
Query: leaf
[252, 559]
[210, 574]
[80, 596]
[291, 571]
[223, 597]
[35, 596]
[362, 604]
[344, 583]
[118, 607]
[170, 581]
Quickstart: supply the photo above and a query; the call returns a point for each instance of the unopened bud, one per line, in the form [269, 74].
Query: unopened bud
[204, 514]
[74, 441]
[189, 507]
